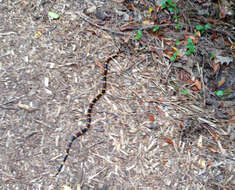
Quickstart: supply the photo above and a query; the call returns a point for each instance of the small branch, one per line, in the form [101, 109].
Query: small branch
[84, 17]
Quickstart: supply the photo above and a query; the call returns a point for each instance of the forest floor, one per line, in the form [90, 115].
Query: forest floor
[167, 118]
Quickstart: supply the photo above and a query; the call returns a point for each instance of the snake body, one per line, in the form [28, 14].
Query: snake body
[89, 111]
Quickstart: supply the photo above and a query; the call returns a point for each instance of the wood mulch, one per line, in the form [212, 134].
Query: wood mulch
[145, 134]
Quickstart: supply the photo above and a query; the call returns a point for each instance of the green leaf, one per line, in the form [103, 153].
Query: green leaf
[212, 56]
[176, 18]
[190, 45]
[139, 34]
[172, 10]
[156, 28]
[219, 93]
[177, 11]
[175, 84]
[164, 6]
[170, 2]
[188, 52]
[190, 40]
[200, 27]
[192, 50]
[227, 92]
[207, 26]
[177, 42]
[174, 56]
[53, 15]
[177, 26]
[184, 92]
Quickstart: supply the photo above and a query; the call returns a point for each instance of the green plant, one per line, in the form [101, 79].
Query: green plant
[139, 34]
[177, 42]
[184, 92]
[177, 26]
[156, 28]
[190, 47]
[170, 6]
[203, 28]
[212, 56]
[176, 18]
[174, 56]
[222, 92]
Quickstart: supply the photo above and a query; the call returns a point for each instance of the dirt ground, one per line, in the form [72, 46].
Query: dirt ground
[144, 134]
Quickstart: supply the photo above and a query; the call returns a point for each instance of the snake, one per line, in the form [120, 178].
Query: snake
[89, 112]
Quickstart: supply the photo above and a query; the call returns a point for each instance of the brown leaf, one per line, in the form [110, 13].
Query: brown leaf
[221, 82]
[214, 36]
[210, 163]
[168, 53]
[151, 117]
[184, 76]
[98, 63]
[198, 84]
[232, 119]
[233, 46]
[213, 149]
[130, 6]
[215, 136]
[169, 141]
[158, 8]
[164, 162]
[216, 67]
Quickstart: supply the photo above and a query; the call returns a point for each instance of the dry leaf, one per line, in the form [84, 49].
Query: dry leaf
[147, 22]
[38, 34]
[232, 119]
[202, 163]
[169, 141]
[130, 7]
[151, 117]
[164, 162]
[198, 84]
[65, 187]
[216, 67]
[26, 107]
[79, 187]
[199, 142]
[221, 82]
[213, 149]
[233, 46]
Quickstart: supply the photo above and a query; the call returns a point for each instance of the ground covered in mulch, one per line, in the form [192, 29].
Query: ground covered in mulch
[167, 118]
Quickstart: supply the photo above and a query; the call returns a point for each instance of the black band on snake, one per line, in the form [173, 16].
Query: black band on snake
[89, 111]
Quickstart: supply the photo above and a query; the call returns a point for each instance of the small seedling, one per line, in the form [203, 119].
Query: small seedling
[139, 35]
[202, 28]
[176, 18]
[174, 56]
[170, 6]
[177, 42]
[212, 56]
[156, 28]
[222, 92]
[184, 92]
[177, 26]
[190, 46]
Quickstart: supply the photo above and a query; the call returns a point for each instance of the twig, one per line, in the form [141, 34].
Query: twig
[148, 27]
[84, 17]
